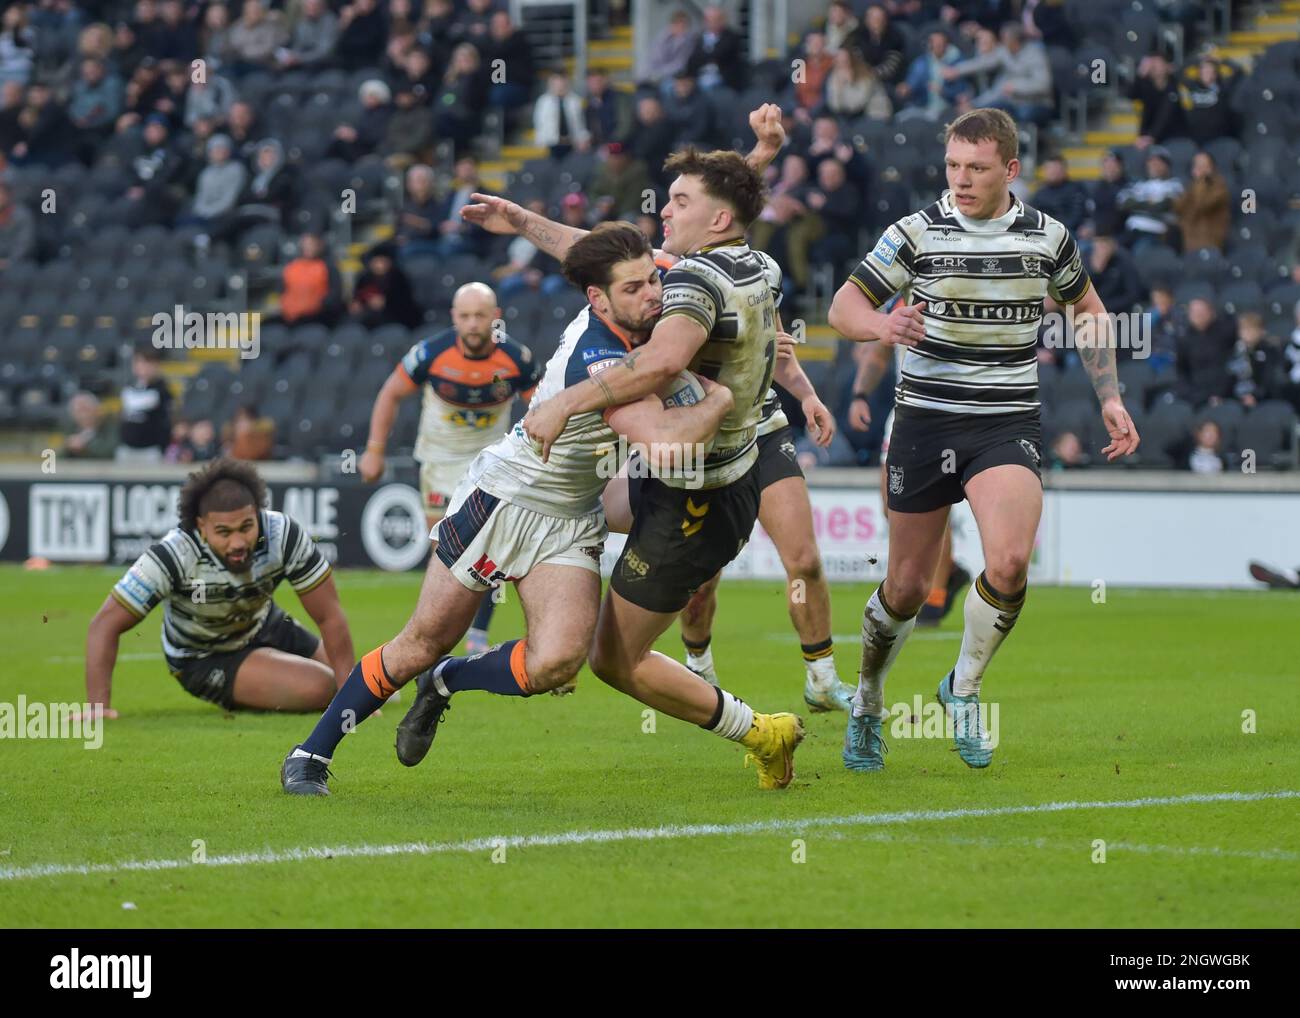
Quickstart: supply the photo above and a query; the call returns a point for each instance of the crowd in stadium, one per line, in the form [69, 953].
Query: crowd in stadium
[170, 177]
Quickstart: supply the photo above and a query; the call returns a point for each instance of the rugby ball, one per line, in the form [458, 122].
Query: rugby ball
[684, 390]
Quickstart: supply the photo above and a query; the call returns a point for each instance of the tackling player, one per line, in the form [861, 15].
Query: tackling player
[469, 377]
[537, 523]
[974, 268]
[224, 638]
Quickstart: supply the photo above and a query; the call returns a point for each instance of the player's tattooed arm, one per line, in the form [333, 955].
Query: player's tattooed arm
[500, 215]
[1098, 356]
[549, 236]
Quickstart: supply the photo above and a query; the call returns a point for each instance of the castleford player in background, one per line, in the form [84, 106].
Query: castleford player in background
[470, 375]
[223, 636]
[719, 319]
[949, 577]
[974, 268]
[538, 523]
[786, 515]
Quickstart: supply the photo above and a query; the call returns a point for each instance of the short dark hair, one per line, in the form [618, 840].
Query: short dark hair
[591, 259]
[726, 176]
[221, 486]
[987, 124]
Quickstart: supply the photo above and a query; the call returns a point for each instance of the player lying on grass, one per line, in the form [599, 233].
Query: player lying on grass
[536, 523]
[223, 636]
[973, 268]
[949, 577]
[469, 378]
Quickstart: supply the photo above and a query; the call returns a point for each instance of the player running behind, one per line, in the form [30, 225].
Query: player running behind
[223, 637]
[469, 376]
[973, 268]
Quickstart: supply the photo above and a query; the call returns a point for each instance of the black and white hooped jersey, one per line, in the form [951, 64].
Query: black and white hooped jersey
[210, 610]
[983, 284]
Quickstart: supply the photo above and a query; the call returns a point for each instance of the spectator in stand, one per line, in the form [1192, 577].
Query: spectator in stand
[510, 46]
[1162, 107]
[253, 39]
[95, 103]
[17, 45]
[214, 39]
[458, 106]
[457, 237]
[418, 75]
[472, 24]
[271, 192]
[13, 97]
[1205, 343]
[352, 141]
[828, 142]
[315, 33]
[310, 287]
[558, 121]
[1166, 325]
[1149, 203]
[433, 30]
[90, 438]
[528, 268]
[244, 129]
[1045, 20]
[127, 53]
[607, 111]
[719, 57]
[1067, 451]
[1113, 275]
[409, 135]
[219, 186]
[156, 172]
[417, 223]
[17, 230]
[1202, 451]
[382, 294]
[363, 34]
[202, 441]
[248, 435]
[670, 52]
[690, 113]
[621, 184]
[1203, 211]
[180, 37]
[1023, 86]
[839, 206]
[149, 29]
[853, 90]
[787, 223]
[209, 100]
[881, 45]
[173, 91]
[925, 92]
[146, 415]
[1063, 199]
[1104, 215]
[810, 79]
[653, 140]
[840, 26]
[1257, 365]
[47, 135]
[1207, 104]
[1292, 352]
[573, 211]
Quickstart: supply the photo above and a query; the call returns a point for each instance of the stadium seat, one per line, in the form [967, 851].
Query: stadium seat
[1270, 434]
[1205, 265]
[1245, 295]
[1281, 300]
[1159, 265]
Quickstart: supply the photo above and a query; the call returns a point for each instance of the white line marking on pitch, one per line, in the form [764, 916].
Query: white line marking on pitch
[608, 837]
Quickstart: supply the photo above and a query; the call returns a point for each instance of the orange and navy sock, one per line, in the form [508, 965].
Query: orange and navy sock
[501, 671]
[365, 691]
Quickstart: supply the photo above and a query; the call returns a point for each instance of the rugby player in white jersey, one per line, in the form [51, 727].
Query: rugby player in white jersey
[470, 375]
[223, 637]
[973, 268]
[538, 523]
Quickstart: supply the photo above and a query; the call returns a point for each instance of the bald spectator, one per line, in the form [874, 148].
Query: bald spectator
[719, 57]
[1203, 210]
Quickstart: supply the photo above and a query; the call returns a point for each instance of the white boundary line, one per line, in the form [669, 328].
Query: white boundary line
[310, 852]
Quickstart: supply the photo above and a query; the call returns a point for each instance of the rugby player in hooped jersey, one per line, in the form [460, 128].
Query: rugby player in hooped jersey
[973, 268]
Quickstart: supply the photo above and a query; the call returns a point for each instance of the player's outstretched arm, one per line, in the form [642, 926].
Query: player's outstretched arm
[789, 374]
[322, 604]
[106, 629]
[500, 215]
[1098, 359]
[647, 369]
[873, 361]
[666, 432]
[769, 135]
[395, 389]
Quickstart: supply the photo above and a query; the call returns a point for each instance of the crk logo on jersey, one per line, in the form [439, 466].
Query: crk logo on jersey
[895, 480]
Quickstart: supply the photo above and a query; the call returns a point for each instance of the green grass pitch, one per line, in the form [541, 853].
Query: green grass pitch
[559, 812]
